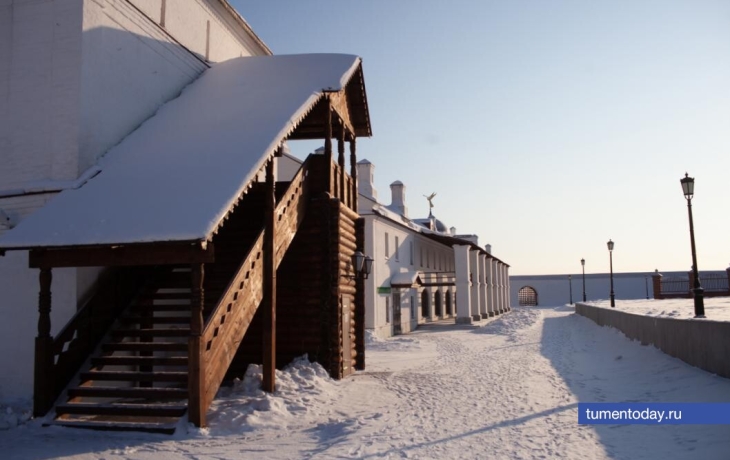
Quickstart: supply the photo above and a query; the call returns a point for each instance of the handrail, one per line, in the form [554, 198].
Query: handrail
[235, 310]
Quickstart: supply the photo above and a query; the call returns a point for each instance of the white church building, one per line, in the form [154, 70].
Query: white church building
[423, 271]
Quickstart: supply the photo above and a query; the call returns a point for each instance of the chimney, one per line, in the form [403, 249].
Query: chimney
[365, 184]
[453, 231]
[398, 198]
[488, 248]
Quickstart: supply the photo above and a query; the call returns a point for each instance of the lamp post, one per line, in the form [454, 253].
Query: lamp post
[361, 266]
[583, 266]
[688, 187]
[570, 284]
[646, 285]
[610, 258]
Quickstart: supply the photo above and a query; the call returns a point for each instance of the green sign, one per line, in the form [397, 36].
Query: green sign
[383, 290]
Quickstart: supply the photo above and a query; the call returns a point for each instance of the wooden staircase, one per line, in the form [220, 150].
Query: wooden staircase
[138, 377]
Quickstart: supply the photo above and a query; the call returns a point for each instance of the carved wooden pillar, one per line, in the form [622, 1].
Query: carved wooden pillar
[196, 364]
[353, 171]
[269, 300]
[341, 163]
[328, 142]
[43, 387]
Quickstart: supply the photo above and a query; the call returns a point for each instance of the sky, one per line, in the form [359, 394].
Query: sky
[507, 388]
[546, 128]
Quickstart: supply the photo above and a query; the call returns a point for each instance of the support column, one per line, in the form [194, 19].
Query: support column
[507, 290]
[502, 306]
[463, 288]
[490, 286]
[269, 298]
[476, 285]
[484, 307]
[43, 382]
[196, 365]
[353, 170]
[497, 288]
[341, 163]
[328, 143]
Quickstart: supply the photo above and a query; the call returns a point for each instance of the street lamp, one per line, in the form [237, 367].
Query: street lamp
[570, 283]
[361, 266]
[610, 258]
[583, 265]
[688, 187]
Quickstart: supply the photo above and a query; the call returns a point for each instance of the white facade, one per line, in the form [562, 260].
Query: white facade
[76, 77]
[419, 273]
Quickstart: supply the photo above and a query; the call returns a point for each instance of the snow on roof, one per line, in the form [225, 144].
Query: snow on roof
[177, 176]
[404, 279]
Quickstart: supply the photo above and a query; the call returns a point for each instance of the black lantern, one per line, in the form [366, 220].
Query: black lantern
[361, 265]
[610, 258]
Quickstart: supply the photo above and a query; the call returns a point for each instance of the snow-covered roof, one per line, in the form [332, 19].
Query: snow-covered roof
[406, 279]
[177, 176]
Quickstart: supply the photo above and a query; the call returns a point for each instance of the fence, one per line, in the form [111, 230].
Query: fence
[715, 284]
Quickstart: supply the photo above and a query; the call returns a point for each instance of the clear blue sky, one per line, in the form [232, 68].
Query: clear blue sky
[545, 127]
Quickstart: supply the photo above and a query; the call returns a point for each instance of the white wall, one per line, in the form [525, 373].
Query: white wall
[76, 77]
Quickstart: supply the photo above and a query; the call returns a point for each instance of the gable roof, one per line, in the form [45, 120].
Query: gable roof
[176, 177]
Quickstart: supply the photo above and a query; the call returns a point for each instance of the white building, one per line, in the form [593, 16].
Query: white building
[76, 77]
[423, 271]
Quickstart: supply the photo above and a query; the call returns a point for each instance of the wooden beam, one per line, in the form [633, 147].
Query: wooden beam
[137, 254]
[353, 170]
[269, 300]
[360, 301]
[196, 365]
[341, 162]
[43, 377]
[339, 105]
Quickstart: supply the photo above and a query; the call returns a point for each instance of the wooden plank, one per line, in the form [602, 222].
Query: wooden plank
[128, 376]
[269, 275]
[196, 370]
[340, 106]
[127, 392]
[137, 254]
[128, 410]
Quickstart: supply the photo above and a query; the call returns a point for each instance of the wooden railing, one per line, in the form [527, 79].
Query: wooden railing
[342, 186]
[233, 314]
[84, 331]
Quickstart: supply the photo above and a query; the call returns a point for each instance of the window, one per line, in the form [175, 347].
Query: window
[387, 309]
[397, 252]
[428, 258]
[413, 308]
[387, 245]
[421, 248]
[411, 246]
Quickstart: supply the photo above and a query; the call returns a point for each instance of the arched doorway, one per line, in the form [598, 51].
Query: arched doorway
[437, 304]
[425, 307]
[448, 303]
[527, 296]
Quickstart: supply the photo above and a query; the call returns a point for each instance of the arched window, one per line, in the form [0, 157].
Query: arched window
[437, 304]
[527, 296]
[448, 303]
[425, 307]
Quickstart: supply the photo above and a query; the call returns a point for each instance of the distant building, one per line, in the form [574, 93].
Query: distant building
[422, 270]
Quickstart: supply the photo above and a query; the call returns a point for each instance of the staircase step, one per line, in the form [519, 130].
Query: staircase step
[166, 296]
[139, 361]
[144, 346]
[128, 392]
[163, 428]
[129, 376]
[151, 332]
[147, 305]
[156, 319]
[141, 410]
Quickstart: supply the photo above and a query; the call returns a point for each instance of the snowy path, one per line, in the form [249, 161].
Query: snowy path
[507, 390]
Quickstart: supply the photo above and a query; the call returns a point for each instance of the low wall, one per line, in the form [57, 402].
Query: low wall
[701, 343]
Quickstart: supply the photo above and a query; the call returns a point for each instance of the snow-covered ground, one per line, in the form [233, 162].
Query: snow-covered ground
[508, 389]
[716, 308]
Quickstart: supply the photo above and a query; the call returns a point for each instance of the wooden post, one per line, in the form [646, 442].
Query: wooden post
[341, 162]
[43, 386]
[269, 300]
[353, 172]
[359, 298]
[328, 143]
[197, 407]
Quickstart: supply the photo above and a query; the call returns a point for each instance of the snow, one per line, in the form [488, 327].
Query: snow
[506, 390]
[716, 308]
[178, 174]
